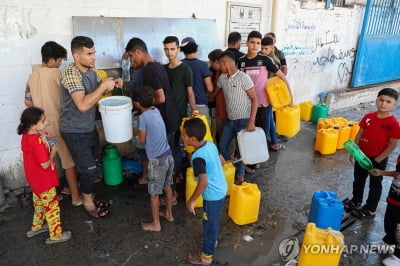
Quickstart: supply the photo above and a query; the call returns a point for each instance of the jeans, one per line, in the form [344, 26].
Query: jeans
[211, 220]
[271, 127]
[375, 184]
[231, 128]
[85, 150]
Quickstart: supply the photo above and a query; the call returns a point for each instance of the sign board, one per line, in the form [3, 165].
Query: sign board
[243, 18]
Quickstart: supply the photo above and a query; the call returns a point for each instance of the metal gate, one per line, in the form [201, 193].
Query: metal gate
[378, 51]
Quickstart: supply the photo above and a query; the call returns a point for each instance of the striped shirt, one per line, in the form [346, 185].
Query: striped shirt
[238, 103]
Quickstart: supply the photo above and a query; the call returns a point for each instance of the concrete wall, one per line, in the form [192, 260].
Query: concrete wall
[27, 24]
[320, 45]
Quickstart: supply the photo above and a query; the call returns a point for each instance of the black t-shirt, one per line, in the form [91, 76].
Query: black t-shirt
[155, 76]
[237, 53]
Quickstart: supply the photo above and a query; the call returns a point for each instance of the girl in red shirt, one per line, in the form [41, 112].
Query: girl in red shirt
[41, 175]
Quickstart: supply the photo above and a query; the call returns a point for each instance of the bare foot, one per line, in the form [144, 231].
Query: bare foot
[151, 227]
[142, 180]
[169, 218]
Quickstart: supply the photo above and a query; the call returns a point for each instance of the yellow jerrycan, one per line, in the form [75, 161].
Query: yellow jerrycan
[324, 123]
[306, 110]
[229, 172]
[321, 247]
[288, 120]
[326, 141]
[277, 92]
[244, 203]
[355, 127]
[344, 135]
[340, 121]
[191, 184]
[208, 136]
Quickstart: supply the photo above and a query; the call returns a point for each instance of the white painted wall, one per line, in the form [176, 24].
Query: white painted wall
[27, 24]
[320, 45]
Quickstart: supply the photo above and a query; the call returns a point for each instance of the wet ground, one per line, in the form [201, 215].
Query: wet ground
[287, 182]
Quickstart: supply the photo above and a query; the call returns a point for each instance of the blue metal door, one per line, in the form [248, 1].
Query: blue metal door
[378, 52]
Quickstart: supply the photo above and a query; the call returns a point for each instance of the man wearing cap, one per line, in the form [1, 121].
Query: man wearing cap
[201, 76]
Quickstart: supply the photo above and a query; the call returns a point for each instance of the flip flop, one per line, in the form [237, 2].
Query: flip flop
[66, 235]
[101, 203]
[362, 213]
[195, 259]
[98, 212]
[32, 233]
[349, 205]
[279, 147]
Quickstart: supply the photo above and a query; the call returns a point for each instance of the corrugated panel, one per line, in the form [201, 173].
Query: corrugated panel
[378, 51]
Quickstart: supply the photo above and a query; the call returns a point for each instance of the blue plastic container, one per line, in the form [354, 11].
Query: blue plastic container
[326, 210]
[319, 111]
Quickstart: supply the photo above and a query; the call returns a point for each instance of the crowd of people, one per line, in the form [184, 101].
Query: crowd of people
[229, 91]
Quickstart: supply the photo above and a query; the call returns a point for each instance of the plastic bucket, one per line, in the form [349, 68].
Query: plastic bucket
[116, 114]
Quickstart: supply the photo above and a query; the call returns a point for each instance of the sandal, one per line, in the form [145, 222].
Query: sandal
[66, 235]
[98, 212]
[277, 147]
[101, 203]
[33, 233]
[195, 258]
[349, 205]
[363, 213]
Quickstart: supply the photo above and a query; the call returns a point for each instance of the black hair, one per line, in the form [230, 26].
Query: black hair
[170, 39]
[254, 34]
[189, 48]
[267, 41]
[145, 96]
[228, 54]
[215, 54]
[272, 34]
[53, 50]
[136, 44]
[29, 117]
[195, 127]
[389, 92]
[233, 37]
[79, 42]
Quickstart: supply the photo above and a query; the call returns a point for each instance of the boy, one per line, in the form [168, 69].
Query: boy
[201, 75]
[241, 106]
[377, 138]
[181, 79]
[212, 185]
[257, 67]
[152, 133]
[392, 214]
[278, 53]
[268, 48]
[43, 91]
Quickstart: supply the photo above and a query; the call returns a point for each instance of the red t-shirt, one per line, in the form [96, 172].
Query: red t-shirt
[377, 132]
[36, 152]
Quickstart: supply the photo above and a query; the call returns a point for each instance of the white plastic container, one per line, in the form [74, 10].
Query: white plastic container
[116, 114]
[253, 146]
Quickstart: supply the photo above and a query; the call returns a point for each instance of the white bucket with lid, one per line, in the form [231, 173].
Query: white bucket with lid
[116, 115]
[253, 146]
